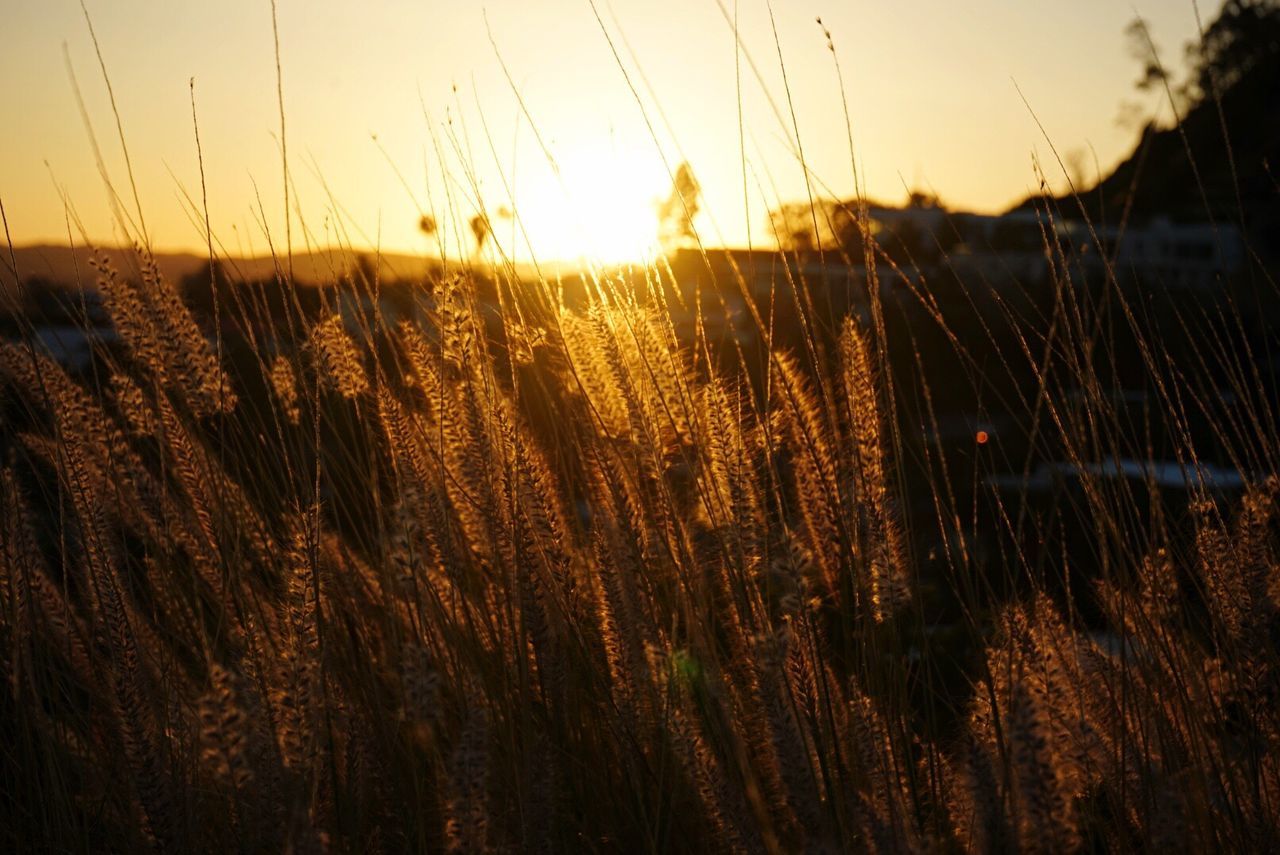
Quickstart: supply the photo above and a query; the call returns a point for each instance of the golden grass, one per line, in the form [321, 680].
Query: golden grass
[391, 604]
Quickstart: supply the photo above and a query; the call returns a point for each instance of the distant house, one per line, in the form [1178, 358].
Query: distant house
[1023, 246]
[1177, 256]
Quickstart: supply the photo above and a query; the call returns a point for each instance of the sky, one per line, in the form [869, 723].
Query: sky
[572, 116]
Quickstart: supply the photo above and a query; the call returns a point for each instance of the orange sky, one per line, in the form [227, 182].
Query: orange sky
[930, 86]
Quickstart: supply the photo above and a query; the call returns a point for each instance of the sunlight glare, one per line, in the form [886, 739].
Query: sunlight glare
[601, 208]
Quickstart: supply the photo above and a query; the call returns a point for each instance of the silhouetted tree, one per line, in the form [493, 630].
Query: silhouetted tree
[1144, 49]
[676, 212]
[792, 227]
[1245, 34]
[480, 230]
[837, 227]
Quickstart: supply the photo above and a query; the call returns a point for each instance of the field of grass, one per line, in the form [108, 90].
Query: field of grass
[470, 566]
[529, 578]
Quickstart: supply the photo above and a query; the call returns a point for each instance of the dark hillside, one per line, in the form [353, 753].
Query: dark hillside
[1186, 173]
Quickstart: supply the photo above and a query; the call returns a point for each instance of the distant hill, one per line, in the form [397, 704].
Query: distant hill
[70, 265]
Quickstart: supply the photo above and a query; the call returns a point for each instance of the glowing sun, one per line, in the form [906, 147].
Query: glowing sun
[600, 207]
